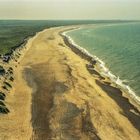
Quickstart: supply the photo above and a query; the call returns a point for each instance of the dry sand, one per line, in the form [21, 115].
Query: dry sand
[57, 96]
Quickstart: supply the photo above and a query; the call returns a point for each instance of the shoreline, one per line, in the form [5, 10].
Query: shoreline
[101, 69]
[71, 101]
[129, 98]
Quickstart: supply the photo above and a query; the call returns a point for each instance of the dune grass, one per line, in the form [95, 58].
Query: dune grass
[13, 34]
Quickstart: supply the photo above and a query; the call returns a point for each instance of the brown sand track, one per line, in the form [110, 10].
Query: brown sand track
[63, 100]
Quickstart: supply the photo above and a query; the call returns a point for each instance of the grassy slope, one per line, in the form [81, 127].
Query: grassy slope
[12, 34]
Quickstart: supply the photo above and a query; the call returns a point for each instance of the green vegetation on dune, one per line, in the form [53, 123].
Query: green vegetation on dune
[13, 32]
[12, 35]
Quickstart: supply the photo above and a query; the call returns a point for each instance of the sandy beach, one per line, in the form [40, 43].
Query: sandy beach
[58, 95]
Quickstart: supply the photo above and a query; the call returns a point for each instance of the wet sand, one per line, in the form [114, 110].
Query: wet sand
[58, 96]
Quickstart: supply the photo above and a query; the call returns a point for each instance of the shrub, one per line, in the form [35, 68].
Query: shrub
[11, 78]
[2, 96]
[2, 70]
[1, 103]
[10, 68]
[4, 87]
[4, 109]
[8, 84]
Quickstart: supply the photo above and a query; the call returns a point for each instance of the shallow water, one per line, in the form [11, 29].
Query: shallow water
[118, 46]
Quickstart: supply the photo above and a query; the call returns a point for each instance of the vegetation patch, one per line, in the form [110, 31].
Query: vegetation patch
[11, 79]
[4, 110]
[2, 70]
[1, 103]
[10, 68]
[4, 87]
[2, 96]
[7, 84]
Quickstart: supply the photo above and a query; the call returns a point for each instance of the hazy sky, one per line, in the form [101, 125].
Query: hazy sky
[70, 9]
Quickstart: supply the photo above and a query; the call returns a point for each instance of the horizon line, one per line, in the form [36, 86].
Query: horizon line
[74, 19]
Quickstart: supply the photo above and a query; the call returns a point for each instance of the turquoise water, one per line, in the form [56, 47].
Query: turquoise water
[116, 45]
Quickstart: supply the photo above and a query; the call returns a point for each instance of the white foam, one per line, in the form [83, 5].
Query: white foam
[104, 71]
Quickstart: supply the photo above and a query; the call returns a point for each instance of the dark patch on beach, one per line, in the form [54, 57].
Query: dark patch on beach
[59, 87]
[107, 83]
[61, 44]
[69, 121]
[52, 120]
[41, 103]
[50, 38]
[88, 66]
[117, 95]
[88, 127]
[91, 70]
[76, 50]
[74, 123]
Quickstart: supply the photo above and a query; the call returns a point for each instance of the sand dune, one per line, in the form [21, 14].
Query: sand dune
[56, 96]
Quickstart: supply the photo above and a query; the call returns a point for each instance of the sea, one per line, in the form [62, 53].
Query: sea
[117, 49]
